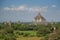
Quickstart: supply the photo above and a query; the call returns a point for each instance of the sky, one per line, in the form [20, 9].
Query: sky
[26, 10]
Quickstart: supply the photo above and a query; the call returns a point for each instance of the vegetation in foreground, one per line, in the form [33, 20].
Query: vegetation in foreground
[14, 31]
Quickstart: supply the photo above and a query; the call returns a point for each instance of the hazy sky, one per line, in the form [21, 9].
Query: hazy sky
[26, 10]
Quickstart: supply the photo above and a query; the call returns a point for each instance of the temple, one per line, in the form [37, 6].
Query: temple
[39, 19]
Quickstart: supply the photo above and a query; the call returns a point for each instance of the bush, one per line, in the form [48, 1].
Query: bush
[26, 34]
[20, 33]
[10, 38]
[42, 32]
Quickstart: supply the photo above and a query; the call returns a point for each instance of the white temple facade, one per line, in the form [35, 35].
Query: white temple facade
[39, 19]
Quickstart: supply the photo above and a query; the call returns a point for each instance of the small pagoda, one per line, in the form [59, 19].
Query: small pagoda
[39, 19]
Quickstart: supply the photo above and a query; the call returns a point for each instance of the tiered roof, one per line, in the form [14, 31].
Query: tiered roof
[39, 16]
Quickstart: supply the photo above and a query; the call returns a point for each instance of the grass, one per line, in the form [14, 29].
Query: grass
[29, 38]
[30, 32]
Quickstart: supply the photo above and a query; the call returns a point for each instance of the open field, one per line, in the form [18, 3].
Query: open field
[27, 32]
[29, 38]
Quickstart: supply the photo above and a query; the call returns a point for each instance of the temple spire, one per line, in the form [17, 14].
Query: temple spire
[39, 18]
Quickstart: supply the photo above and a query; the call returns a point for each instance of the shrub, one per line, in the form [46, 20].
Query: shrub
[26, 34]
[22, 33]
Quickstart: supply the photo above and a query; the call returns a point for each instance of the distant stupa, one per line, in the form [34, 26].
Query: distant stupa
[39, 19]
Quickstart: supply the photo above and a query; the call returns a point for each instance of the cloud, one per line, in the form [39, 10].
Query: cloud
[53, 5]
[6, 8]
[34, 9]
[26, 8]
[20, 8]
[44, 9]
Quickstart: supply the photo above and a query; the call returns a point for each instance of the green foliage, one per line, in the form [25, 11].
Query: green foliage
[10, 37]
[7, 37]
[26, 30]
[26, 34]
[43, 30]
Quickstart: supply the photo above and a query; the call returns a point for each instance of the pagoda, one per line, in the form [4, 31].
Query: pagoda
[39, 19]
